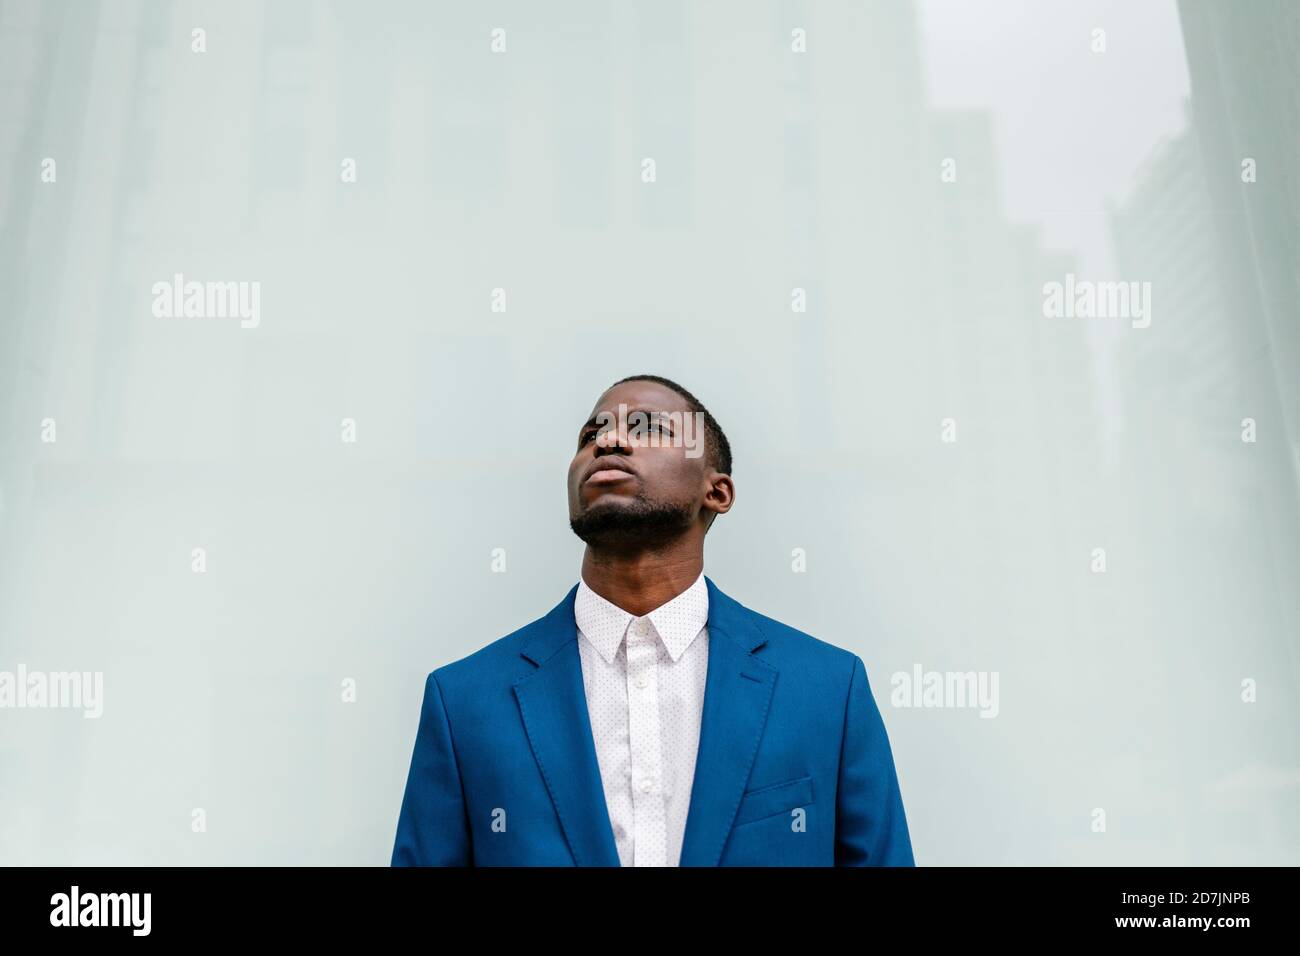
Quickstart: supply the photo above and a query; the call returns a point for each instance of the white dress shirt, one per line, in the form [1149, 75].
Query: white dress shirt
[644, 680]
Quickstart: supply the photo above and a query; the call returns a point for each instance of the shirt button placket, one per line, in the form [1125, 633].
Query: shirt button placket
[648, 811]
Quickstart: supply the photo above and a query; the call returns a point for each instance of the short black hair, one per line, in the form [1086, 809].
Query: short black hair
[719, 448]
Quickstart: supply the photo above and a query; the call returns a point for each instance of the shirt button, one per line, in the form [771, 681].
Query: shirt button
[646, 785]
[640, 681]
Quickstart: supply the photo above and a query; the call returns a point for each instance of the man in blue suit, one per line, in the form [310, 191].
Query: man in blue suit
[649, 719]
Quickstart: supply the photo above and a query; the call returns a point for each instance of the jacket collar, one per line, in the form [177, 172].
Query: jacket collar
[553, 706]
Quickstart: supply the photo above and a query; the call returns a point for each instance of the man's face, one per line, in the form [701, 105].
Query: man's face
[630, 491]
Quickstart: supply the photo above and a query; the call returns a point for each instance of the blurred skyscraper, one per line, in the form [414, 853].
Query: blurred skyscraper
[1219, 248]
[1244, 61]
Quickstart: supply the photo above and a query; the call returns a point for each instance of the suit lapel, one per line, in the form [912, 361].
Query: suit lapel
[737, 693]
[553, 705]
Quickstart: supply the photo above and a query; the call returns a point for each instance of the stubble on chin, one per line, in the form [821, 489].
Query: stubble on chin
[641, 522]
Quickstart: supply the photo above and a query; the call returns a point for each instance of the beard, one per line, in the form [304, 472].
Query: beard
[638, 524]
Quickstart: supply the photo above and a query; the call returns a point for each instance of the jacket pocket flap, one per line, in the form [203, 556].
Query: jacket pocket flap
[773, 799]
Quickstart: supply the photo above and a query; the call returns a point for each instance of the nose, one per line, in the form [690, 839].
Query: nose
[610, 442]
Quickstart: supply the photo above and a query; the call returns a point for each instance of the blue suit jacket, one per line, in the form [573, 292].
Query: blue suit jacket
[504, 771]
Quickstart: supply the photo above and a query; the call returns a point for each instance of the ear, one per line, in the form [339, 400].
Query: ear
[720, 494]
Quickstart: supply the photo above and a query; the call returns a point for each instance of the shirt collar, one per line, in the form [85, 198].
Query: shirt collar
[678, 622]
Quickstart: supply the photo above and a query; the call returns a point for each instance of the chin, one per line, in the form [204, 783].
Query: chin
[624, 521]
[612, 502]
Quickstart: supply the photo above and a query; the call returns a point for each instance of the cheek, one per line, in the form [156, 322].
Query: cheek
[571, 479]
[674, 480]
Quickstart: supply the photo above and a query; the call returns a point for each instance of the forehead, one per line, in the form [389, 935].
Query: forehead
[650, 396]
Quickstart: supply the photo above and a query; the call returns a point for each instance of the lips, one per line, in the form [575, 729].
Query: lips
[606, 471]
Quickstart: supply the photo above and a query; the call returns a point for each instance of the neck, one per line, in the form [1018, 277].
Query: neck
[640, 581]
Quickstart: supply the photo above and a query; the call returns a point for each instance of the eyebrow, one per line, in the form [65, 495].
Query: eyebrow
[655, 415]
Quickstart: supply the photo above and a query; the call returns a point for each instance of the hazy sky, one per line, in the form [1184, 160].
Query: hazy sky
[1072, 126]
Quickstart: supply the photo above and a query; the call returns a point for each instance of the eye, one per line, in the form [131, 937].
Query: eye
[587, 435]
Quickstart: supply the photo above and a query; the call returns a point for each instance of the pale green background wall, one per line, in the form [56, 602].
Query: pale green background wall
[775, 170]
